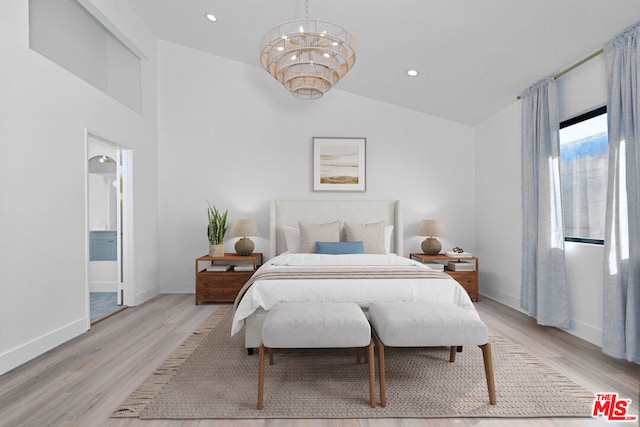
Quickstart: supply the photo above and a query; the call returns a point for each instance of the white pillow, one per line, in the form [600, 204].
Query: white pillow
[312, 233]
[291, 238]
[372, 235]
[388, 231]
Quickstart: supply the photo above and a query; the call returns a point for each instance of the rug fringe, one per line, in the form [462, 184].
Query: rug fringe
[559, 380]
[142, 395]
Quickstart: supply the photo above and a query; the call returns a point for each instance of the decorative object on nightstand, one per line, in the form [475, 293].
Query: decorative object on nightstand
[216, 230]
[458, 253]
[243, 228]
[431, 228]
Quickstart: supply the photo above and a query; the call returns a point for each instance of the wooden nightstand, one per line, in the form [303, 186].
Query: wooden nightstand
[223, 286]
[468, 279]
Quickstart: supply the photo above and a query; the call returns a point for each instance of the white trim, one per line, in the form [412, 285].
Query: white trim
[128, 283]
[37, 346]
[112, 28]
[87, 301]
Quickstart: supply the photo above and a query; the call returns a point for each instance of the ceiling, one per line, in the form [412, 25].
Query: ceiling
[474, 56]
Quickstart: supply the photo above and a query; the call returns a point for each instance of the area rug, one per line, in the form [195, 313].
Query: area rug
[211, 376]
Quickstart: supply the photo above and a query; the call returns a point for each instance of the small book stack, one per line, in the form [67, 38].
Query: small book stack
[435, 266]
[243, 267]
[461, 266]
[219, 267]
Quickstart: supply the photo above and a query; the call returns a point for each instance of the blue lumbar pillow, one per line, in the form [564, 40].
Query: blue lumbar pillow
[339, 248]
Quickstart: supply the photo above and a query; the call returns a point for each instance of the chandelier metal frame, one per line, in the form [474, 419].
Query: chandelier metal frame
[307, 56]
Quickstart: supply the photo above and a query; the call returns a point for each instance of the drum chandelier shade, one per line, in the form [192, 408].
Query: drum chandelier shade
[307, 56]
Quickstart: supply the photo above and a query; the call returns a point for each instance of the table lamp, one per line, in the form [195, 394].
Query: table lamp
[431, 228]
[243, 228]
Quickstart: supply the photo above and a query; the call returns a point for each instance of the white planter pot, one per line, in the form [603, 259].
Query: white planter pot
[216, 250]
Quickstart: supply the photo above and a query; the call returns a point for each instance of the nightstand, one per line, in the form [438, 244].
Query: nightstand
[468, 279]
[221, 278]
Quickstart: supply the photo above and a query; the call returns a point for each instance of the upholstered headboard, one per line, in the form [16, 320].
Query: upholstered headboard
[289, 212]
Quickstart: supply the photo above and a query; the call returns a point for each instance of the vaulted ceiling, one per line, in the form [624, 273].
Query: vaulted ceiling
[473, 56]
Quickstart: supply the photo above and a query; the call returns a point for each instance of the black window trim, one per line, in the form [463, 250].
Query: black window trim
[585, 116]
[584, 240]
[570, 122]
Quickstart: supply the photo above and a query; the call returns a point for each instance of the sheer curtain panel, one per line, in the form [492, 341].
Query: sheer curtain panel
[545, 293]
[621, 294]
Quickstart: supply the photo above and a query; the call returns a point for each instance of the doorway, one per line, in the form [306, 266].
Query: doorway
[108, 227]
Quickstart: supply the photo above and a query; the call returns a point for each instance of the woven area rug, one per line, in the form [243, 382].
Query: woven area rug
[211, 376]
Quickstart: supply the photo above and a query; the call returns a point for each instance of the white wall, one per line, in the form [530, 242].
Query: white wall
[232, 135]
[499, 206]
[44, 111]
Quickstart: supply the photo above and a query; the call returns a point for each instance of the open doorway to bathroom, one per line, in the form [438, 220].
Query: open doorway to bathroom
[107, 215]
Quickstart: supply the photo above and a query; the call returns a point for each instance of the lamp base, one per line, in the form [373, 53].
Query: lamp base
[431, 246]
[244, 246]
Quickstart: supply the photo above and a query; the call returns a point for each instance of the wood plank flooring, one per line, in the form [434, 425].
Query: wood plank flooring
[81, 382]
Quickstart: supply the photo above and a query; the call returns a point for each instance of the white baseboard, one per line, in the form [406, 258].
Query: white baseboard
[34, 348]
[579, 329]
[145, 296]
[503, 298]
[586, 332]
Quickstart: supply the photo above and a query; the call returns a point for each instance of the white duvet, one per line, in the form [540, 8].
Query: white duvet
[265, 293]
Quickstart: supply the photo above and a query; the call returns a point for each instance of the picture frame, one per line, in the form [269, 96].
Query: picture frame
[339, 164]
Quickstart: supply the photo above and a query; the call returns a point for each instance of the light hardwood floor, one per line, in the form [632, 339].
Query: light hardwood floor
[81, 382]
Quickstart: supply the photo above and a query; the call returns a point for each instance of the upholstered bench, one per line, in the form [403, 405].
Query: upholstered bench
[426, 324]
[316, 325]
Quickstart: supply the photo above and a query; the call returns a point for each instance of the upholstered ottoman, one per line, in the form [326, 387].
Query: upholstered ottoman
[316, 325]
[425, 324]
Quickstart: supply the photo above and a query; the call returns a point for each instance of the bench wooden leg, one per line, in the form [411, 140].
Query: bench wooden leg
[270, 356]
[358, 355]
[452, 353]
[488, 369]
[260, 375]
[372, 375]
[381, 375]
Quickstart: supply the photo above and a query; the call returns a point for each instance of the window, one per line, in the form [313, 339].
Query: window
[584, 154]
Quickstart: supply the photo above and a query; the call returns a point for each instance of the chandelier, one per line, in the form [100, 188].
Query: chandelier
[307, 56]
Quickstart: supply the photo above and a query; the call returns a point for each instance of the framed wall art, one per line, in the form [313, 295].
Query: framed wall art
[339, 164]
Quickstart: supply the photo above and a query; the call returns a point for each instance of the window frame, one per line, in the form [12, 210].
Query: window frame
[570, 122]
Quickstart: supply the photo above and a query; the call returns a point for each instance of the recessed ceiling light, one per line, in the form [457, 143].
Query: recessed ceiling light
[211, 17]
[412, 73]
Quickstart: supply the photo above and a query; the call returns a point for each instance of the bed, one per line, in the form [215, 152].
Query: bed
[375, 271]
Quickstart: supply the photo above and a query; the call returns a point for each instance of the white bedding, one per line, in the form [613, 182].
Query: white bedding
[263, 294]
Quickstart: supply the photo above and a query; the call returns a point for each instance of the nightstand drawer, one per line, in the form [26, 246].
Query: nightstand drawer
[220, 287]
[468, 280]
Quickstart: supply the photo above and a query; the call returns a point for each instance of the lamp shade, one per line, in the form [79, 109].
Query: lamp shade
[244, 228]
[431, 227]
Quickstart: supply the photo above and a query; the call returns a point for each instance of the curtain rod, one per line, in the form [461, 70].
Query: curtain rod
[574, 66]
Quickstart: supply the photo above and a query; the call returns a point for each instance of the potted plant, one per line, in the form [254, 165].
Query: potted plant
[216, 230]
